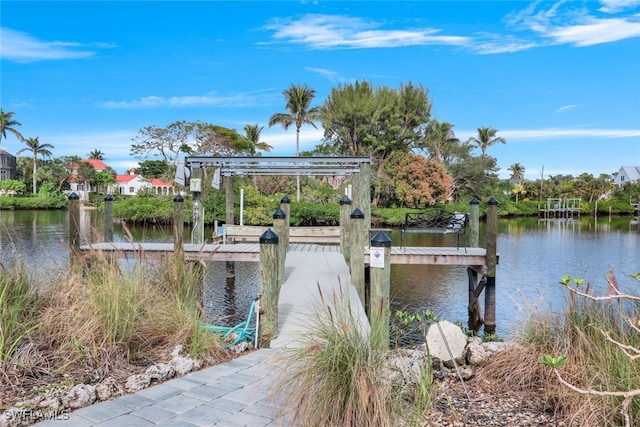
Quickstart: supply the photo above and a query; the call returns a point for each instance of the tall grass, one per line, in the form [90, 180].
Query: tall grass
[593, 361]
[18, 311]
[104, 315]
[338, 377]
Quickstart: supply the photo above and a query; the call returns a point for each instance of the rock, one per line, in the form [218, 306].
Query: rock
[241, 347]
[445, 334]
[137, 382]
[183, 365]
[79, 396]
[160, 372]
[475, 353]
[108, 388]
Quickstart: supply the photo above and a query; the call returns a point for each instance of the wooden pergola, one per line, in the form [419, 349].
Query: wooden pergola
[192, 170]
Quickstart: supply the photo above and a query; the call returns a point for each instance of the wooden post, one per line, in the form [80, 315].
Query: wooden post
[474, 223]
[345, 211]
[357, 235]
[279, 227]
[285, 205]
[108, 218]
[178, 225]
[229, 198]
[490, 287]
[269, 288]
[380, 274]
[74, 223]
[197, 235]
[362, 196]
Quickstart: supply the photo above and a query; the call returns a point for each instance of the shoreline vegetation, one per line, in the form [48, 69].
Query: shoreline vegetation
[88, 324]
[159, 209]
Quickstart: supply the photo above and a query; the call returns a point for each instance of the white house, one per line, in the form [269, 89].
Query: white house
[7, 165]
[131, 183]
[627, 174]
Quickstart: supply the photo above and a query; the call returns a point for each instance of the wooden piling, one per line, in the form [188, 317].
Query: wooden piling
[269, 287]
[229, 198]
[362, 194]
[380, 277]
[490, 286]
[285, 205]
[178, 225]
[74, 223]
[357, 234]
[474, 223]
[108, 218]
[345, 212]
[279, 227]
[197, 235]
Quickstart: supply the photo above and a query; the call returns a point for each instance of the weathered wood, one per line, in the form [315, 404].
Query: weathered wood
[285, 205]
[492, 261]
[379, 294]
[279, 227]
[197, 233]
[74, 223]
[359, 236]
[248, 233]
[228, 192]
[108, 218]
[345, 213]
[269, 287]
[362, 194]
[178, 225]
[474, 223]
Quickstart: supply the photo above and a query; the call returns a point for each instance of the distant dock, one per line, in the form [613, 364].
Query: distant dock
[558, 208]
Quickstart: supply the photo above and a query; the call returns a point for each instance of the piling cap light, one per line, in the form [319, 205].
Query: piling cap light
[269, 237]
[108, 198]
[178, 198]
[74, 196]
[381, 240]
[279, 214]
[493, 202]
[474, 201]
[357, 213]
[285, 199]
[345, 200]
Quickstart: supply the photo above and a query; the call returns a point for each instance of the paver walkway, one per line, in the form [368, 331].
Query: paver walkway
[239, 392]
[236, 393]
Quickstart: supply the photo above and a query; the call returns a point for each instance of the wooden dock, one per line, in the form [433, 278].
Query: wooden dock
[417, 255]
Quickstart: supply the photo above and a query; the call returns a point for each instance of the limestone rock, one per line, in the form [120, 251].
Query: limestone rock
[137, 382]
[160, 372]
[444, 336]
[79, 396]
[108, 388]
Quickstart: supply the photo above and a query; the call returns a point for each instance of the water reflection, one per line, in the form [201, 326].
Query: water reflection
[534, 255]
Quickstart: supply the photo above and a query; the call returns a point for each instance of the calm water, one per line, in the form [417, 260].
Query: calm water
[534, 255]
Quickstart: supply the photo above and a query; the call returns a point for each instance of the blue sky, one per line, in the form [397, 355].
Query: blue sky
[559, 80]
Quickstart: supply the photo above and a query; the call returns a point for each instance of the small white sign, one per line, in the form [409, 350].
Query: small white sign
[376, 257]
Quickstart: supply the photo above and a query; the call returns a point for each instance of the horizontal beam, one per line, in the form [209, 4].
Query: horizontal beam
[279, 165]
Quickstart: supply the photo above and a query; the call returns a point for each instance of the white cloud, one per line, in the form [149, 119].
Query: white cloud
[343, 32]
[241, 99]
[332, 76]
[21, 47]
[613, 6]
[568, 133]
[596, 31]
[565, 108]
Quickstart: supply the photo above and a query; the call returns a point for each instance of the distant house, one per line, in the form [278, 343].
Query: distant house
[162, 187]
[626, 175]
[8, 168]
[131, 183]
[76, 186]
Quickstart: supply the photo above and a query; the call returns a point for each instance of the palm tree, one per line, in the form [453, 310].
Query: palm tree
[96, 155]
[517, 171]
[8, 124]
[252, 134]
[33, 145]
[439, 138]
[486, 138]
[298, 102]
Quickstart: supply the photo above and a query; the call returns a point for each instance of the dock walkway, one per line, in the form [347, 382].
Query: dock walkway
[239, 392]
